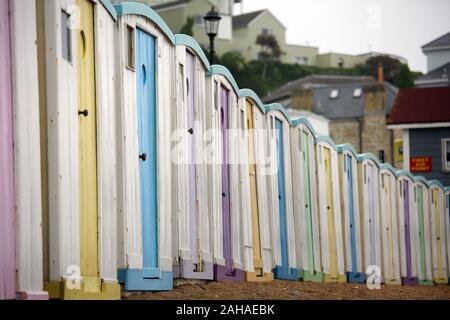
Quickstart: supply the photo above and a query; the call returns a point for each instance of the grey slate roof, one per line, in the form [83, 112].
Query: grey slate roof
[438, 73]
[439, 42]
[315, 81]
[243, 20]
[345, 106]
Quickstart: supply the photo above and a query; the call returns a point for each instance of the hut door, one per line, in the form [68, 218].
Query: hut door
[351, 212]
[7, 222]
[407, 229]
[253, 193]
[371, 194]
[308, 210]
[423, 266]
[193, 208]
[388, 207]
[224, 121]
[146, 104]
[87, 142]
[281, 194]
[438, 240]
[330, 214]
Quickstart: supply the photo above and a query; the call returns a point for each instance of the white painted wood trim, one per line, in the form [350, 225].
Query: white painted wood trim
[26, 145]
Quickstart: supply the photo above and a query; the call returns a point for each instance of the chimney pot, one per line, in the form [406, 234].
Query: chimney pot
[380, 74]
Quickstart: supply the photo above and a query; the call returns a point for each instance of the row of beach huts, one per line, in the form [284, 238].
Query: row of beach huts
[126, 158]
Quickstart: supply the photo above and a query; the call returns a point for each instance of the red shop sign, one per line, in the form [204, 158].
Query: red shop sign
[420, 164]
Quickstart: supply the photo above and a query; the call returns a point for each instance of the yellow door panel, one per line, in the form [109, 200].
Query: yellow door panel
[87, 141]
[253, 192]
[330, 215]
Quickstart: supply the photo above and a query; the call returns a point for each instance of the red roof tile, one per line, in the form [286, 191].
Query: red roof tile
[421, 105]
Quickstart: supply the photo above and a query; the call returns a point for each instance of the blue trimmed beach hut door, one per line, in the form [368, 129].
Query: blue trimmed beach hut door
[371, 191]
[146, 104]
[407, 229]
[351, 213]
[307, 190]
[282, 196]
[194, 219]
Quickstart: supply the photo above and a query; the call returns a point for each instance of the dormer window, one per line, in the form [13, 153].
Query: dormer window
[357, 93]
[334, 94]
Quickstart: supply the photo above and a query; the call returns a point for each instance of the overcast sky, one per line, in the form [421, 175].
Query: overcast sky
[357, 26]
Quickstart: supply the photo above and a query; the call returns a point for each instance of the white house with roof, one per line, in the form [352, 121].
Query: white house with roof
[438, 62]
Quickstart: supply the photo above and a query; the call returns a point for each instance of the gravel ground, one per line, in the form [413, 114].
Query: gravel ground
[287, 290]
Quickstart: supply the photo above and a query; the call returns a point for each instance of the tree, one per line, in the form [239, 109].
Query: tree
[188, 27]
[270, 50]
[405, 78]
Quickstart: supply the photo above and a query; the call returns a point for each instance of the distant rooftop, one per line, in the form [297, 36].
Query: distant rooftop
[169, 4]
[442, 41]
[421, 105]
[440, 74]
[316, 81]
[243, 20]
[334, 97]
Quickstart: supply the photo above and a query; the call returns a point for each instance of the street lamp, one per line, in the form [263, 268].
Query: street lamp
[212, 20]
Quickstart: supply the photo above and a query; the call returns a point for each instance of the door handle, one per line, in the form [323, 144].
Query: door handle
[191, 131]
[83, 113]
[224, 195]
[143, 157]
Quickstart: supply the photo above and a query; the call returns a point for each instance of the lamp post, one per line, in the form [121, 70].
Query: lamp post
[212, 20]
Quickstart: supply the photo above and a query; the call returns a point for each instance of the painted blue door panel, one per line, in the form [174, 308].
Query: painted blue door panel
[146, 104]
[281, 194]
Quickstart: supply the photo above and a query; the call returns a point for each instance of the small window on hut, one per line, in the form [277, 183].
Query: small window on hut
[365, 174]
[319, 154]
[181, 82]
[243, 123]
[216, 95]
[446, 155]
[130, 48]
[66, 37]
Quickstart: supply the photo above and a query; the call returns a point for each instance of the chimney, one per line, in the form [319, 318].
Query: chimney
[380, 74]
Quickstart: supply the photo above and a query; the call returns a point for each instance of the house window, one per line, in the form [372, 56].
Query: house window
[341, 63]
[301, 60]
[381, 156]
[267, 32]
[334, 94]
[130, 48]
[446, 155]
[198, 19]
[66, 37]
[357, 93]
